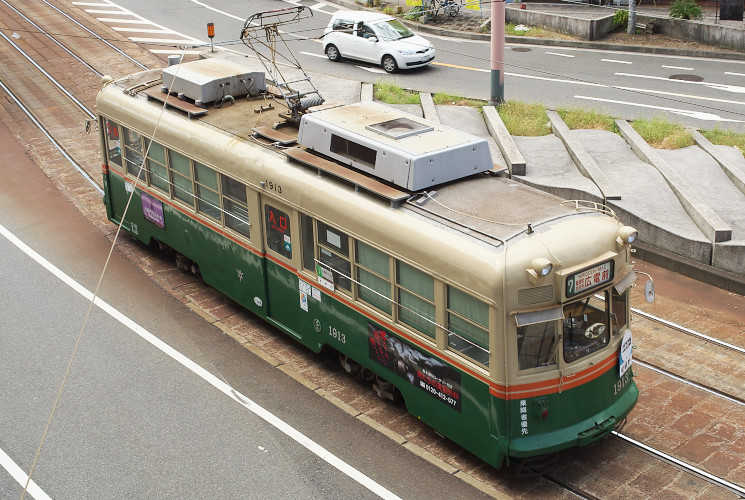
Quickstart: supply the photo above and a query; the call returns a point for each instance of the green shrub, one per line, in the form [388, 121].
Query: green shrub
[621, 19]
[685, 9]
[414, 13]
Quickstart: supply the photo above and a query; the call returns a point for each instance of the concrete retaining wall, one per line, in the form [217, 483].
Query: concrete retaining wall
[586, 29]
[712, 34]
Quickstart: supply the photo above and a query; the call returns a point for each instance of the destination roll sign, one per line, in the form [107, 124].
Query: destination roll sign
[589, 278]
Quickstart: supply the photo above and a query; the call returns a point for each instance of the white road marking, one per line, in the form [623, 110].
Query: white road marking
[21, 477]
[140, 30]
[322, 56]
[190, 41]
[90, 4]
[216, 382]
[558, 54]
[677, 67]
[176, 52]
[100, 11]
[736, 89]
[684, 112]
[372, 69]
[123, 21]
[616, 61]
[735, 74]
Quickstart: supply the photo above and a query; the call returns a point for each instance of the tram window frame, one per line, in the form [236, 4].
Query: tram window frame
[579, 326]
[466, 315]
[415, 294]
[207, 191]
[134, 153]
[334, 253]
[619, 311]
[161, 163]
[373, 277]
[275, 233]
[113, 141]
[234, 205]
[179, 179]
[546, 354]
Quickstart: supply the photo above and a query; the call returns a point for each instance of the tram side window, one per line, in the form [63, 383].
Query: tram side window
[235, 205]
[208, 197]
[156, 166]
[585, 327]
[374, 277]
[278, 231]
[307, 233]
[416, 298]
[468, 325]
[333, 254]
[133, 152]
[536, 345]
[113, 144]
[619, 303]
[180, 169]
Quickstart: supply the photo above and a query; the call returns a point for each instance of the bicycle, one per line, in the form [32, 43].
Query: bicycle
[450, 7]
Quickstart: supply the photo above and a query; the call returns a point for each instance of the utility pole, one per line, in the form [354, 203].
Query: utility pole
[631, 30]
[497, 52]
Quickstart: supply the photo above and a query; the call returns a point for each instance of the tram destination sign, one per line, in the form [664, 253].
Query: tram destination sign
[589, 278]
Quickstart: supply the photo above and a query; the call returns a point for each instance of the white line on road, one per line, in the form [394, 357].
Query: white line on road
[559, 54]
[21, 477]
[123, 21]
[735, 74]
[217, 383]
[736, 89]
[371, 69]
[684, 112]
[190, 41]
[616, 61]
[677, 67]
[140, 30]
[322, 56]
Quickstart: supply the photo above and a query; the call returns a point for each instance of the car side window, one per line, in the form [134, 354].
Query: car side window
[343, 25]
[364, 31]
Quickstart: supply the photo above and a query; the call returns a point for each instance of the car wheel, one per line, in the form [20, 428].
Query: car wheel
[333, 53]
[389, 64]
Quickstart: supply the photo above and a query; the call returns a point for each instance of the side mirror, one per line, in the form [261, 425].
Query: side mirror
[373, 39]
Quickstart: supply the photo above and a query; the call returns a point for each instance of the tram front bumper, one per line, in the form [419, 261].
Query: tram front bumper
[582, 433]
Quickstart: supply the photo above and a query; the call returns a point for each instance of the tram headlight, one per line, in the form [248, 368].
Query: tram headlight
[539, 268]
[626, 236]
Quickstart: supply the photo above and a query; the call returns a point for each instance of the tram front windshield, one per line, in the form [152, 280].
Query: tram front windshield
[587, 327]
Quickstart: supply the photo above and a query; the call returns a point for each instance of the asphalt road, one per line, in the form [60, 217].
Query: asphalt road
[698, 92]
[149, 408]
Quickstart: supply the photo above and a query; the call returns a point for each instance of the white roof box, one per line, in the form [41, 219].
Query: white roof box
[396, 147]
[208, 80]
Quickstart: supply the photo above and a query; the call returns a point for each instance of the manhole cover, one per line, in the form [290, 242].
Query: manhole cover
[687, 78]
[521, 49]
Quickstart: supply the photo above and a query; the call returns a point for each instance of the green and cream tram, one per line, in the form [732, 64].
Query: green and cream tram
[499, 313]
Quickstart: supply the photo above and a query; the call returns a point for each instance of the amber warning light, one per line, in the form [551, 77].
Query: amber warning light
[211, 34]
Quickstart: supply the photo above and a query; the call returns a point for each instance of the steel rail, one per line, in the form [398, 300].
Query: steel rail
[710, 390]
[60, 44]
[56, 144]
[96, 35]
[82, 106]
[688, 331]
[711, 478]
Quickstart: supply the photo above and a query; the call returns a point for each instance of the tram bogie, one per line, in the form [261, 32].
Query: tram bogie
[499, 314]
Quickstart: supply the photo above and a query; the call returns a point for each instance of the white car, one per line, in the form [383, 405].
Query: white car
[375, 38]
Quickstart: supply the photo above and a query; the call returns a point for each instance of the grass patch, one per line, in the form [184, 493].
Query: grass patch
[576, 118]
[393, 94]
[530, 119]
[662, 134]
[524, 119]
[509, 30]
[725, 138]
[443, 98]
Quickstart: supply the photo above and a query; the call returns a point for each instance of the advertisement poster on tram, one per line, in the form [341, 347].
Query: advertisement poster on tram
[420, 369]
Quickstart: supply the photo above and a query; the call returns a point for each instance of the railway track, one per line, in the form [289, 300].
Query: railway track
[87, 61]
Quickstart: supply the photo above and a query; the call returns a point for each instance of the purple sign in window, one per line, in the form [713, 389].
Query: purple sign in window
[152, 209]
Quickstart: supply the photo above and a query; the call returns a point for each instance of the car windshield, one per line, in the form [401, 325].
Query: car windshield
[393, 30]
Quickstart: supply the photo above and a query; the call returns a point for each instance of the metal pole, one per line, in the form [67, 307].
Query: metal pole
[497, 52]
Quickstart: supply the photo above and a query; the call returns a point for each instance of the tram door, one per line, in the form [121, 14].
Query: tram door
[281, 234]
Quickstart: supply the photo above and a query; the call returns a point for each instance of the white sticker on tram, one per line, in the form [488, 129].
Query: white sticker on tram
[217, 383]
[21, 477]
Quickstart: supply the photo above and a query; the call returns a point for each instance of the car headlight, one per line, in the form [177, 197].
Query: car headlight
[405, 52]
